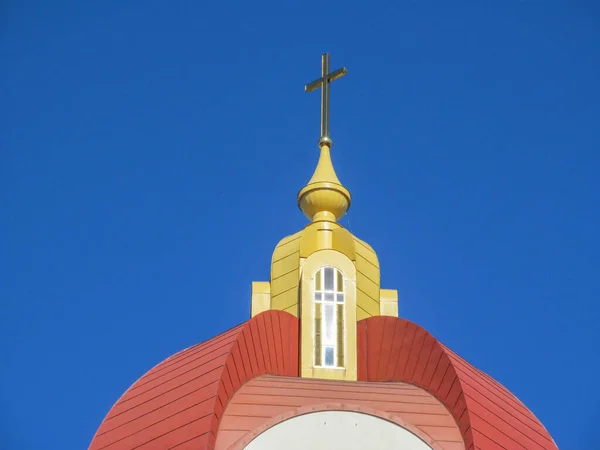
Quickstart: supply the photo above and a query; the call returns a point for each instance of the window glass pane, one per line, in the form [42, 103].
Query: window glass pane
[318, 296]
[318, 284]
[340, 298]
[340, 281]
[328, 356]
[318, 343]
[328, 296]
[340, 335]
[329, 278]
[329, 331]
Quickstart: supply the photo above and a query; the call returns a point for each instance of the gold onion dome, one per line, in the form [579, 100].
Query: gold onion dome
[324, 197]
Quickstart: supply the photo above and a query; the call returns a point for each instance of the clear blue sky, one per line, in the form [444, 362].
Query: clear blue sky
[151, 153]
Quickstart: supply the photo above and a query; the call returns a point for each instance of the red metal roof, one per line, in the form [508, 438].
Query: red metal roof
[489, 416]
[267, 400]
[180, 402]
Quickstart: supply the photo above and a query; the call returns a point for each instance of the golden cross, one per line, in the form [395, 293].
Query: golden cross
[323, 83]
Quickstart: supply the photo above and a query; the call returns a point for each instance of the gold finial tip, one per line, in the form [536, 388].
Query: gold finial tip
[324, 197]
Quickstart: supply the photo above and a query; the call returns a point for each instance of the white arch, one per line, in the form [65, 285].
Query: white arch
[326, 430]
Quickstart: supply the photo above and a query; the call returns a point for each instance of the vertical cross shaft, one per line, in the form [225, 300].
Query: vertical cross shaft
[323, 83]
[325, 95]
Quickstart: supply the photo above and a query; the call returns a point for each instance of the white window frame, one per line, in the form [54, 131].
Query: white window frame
[336, 295]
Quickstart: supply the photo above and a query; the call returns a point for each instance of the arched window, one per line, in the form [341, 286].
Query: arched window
[329, 299]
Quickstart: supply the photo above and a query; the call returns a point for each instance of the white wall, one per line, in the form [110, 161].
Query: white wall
[330, 430]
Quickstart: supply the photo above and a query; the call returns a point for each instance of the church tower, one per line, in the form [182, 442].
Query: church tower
[324, 362]
[323, 274]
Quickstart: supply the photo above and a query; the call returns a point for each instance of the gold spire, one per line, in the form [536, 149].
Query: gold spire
[324, 197]
[301, 261]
